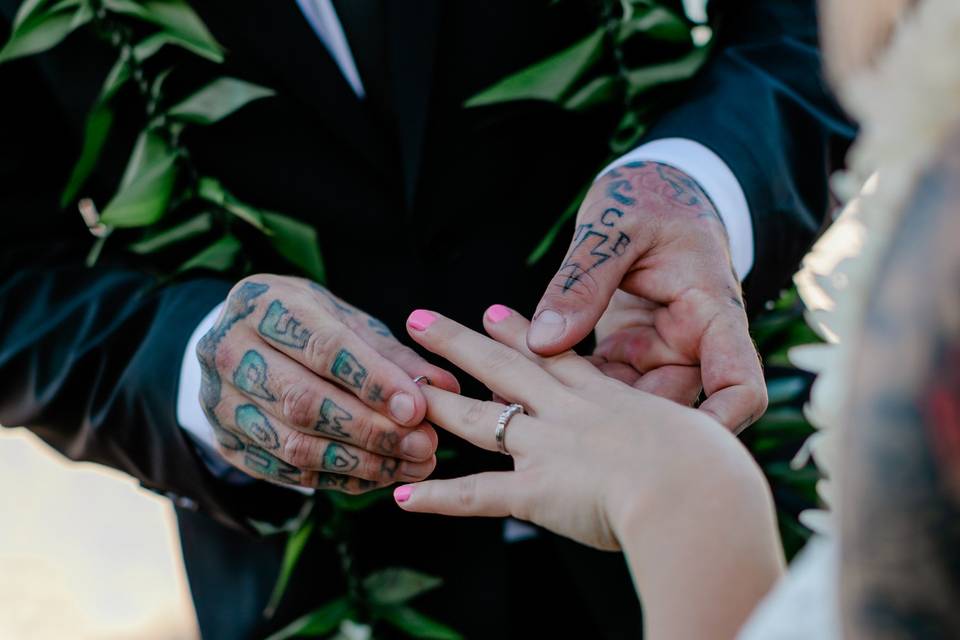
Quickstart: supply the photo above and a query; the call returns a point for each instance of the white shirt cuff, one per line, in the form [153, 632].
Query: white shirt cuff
[718, 182]
[189, 413]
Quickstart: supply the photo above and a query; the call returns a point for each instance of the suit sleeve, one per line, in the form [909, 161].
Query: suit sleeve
[90, 357]
[761, 104]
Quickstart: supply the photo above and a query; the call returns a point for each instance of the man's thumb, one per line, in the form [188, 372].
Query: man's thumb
[571, 307]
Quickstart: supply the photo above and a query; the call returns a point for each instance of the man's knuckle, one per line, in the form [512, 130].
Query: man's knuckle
[322, 344]
[299, 449]
[298, 401]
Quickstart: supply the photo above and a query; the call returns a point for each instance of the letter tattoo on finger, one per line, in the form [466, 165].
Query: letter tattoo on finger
[256, 425]
[338, 458]
[259, 461]
[280, 325]
[332, 417]
[251, 376]
[348, 370]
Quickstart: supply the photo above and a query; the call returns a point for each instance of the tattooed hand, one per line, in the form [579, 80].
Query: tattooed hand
[650, 269]
[303, 389]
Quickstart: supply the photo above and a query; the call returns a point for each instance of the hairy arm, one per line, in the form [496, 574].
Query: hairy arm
[901, 483]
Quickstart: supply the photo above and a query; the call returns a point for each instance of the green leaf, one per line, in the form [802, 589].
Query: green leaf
[198, 224]
[291, 553]
[146, 186]
[646, 78]
[95, 132]
[551, 79]
[397, 585]
[97, 129]
[211, 190]
[176, 17]
[784, 421]
[219, 256]
[297, 242]
[27, 9]
[602, 90]
[349, 502]
[154, 42]
[658, 23]
[318, 622]
[417, 625]
[217, 100]
[39, 31]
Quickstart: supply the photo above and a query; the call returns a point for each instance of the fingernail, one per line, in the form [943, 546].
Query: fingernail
[419, 320]
[402, 407]
[546, 327]
[402, 494]
[417, 445]
[498, 312]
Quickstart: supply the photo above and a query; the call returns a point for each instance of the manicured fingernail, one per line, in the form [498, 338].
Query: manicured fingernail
[402, 407]
[498, 312]
[417, 445]
[402, 494]
[546, 327]
[419, 320]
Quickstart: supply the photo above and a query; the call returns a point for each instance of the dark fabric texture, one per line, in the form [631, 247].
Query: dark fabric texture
[417, 203]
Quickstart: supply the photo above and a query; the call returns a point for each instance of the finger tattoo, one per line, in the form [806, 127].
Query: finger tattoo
[348, 370]
[338, 458]
[251, 376]
[332, 417]
[256, 426]
[280, 325]
[256, 459]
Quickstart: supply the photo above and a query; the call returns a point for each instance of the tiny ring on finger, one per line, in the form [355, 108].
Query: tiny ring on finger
[420, 379]
[502, 421]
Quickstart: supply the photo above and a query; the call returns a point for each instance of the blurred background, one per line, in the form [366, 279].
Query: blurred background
[84, 552]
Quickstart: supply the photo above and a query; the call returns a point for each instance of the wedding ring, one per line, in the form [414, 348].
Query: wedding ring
[420, 379]
[502, 421]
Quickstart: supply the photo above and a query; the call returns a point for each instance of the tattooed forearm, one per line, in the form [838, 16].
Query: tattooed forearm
[338, 458]
[256, 426]
[900, 526]
[261, 462]
[251, 376]
[348, 370]
[332, 419]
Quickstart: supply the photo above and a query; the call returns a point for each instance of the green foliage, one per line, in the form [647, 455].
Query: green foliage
[217, 100]
[291, 554]
[417, 625]
[318, 622]
[397, 585]
[38, 27]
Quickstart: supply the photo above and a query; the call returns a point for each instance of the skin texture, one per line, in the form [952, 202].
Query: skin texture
[610, 467]
[900, 493]
[302, 388]
[649, 268]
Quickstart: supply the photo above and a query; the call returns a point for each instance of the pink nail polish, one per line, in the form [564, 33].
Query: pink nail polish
[420, 320]
[402, 494]
[498, 312]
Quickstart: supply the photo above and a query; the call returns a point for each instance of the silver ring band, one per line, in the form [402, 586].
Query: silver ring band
[502, 421]
[420, 379]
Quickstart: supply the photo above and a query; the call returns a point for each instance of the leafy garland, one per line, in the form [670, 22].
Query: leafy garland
[165, 202]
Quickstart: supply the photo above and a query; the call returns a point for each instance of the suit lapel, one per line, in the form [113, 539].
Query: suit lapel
[412, 29]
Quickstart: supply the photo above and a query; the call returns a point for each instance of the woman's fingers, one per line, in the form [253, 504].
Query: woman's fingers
[502, 369]
[510, 328]
[490, 494]
[476, 421]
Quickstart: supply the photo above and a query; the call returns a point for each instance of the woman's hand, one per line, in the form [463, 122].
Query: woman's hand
[611, 467]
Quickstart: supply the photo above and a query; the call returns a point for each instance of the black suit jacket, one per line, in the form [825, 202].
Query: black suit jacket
[417, 203]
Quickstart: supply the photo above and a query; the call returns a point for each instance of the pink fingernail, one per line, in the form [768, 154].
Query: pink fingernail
[420, 320]
[402, 494]
[498, 312]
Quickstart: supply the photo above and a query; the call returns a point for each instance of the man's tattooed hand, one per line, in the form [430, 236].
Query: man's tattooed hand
[649, 268]
[302, 388]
